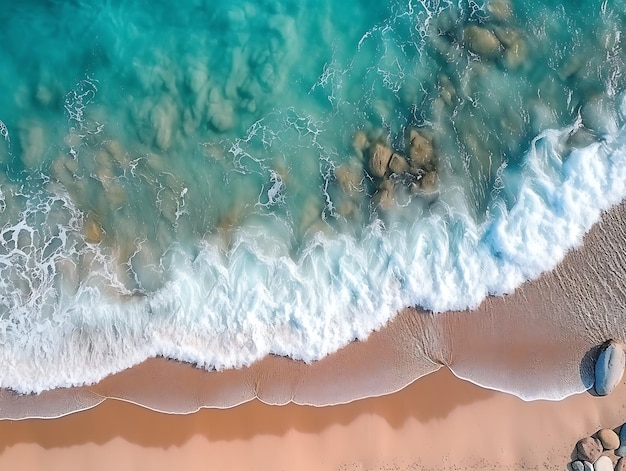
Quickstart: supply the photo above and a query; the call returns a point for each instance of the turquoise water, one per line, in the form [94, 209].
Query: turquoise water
[210, 182]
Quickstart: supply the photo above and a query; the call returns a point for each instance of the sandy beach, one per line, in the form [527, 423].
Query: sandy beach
[439, 422]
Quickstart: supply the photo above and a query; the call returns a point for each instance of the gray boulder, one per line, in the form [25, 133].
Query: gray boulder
[577, 466]
[621, 451]
[589, 449]
[609, 368]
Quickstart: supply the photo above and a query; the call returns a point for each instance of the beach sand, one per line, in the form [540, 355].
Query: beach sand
[537, 342]
[439, 422]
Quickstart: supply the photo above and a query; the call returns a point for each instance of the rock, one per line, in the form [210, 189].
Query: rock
[577, 466]
[114, 148]
[482, 41]
[33, 143]
[621, 451]
[608, 438]
[609, 367]
[509, 37]
[163, 117]
[92, 231]
[398, 164]
[44, 96]
[349, 178]
[347, 208]
[603, 463]
[589, 449]
[220, 112]
[222, 116]
[379, 162]
[447, 91]
[63, 170]
[383, 199]
[514, 45]
[621, 465]
[580, 137]
[360, 143]
[598, 115]
[429, 182]
[500, 10]
[588, 466]
[421, 150]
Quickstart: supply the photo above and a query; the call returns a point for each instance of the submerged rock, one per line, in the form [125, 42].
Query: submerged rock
[589, 449]
[429, 182]
[420, 149]
[609, 368]
[447, 91]
[603, 463]
[500, 10]
[621, 451]
[481, 41]
[350, 179]
[515, 50]
[398, 164]
[360, 143]
[608, 438]
[379, 160]
[92, 231]
[32, 138]
[384, 197]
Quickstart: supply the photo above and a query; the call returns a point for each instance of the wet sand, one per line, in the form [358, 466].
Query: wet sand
[439, 422]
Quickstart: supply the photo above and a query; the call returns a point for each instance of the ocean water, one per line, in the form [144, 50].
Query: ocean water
[212, 182]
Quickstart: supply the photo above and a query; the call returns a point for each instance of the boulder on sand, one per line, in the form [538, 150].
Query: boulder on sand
[621, 451]
[577, 466]
[609, 367]
[589, 449]
[581, 466]
[603, 463]
[608, 438]
[620, 465]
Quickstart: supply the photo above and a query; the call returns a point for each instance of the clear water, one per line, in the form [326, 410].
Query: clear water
[195, 180]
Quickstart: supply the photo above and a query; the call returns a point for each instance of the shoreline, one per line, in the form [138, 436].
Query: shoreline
[432, 423]
[503, 345]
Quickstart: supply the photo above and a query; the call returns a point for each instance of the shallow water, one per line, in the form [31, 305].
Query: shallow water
[200, 182]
